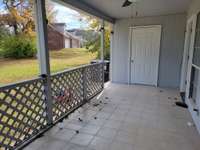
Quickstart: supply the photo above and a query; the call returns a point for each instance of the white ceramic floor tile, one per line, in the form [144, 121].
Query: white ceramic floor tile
[82, 139]
[128, 117]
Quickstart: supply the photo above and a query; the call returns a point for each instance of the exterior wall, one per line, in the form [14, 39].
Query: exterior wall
[67, 43]
[59, 27]
[72, 43]
[171, 52]
[55, 40]
[75, 43]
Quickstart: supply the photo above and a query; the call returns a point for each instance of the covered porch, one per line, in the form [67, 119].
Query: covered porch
[74, 110]
[125, 117]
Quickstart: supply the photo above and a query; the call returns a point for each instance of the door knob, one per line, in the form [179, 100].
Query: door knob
[132, 61]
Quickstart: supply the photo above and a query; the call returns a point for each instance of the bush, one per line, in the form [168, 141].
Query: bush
[18, 47]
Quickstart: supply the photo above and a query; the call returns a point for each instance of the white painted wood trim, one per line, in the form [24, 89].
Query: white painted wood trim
[193, 19]
[160, 27]
[188, 100]
[102, 50]
[185, 58]
[129, 55]
[187, 49]
[43, 51]
[197, 67]
[111, 52]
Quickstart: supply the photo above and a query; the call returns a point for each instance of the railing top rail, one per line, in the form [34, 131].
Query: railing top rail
[76, 68]
[21, 83]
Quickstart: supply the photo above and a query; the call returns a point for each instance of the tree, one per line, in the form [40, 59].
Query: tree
[17, 27]
[51, 12]
[95, 44]
[20, 16]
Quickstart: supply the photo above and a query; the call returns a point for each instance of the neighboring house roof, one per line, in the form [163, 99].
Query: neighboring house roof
[66, 34]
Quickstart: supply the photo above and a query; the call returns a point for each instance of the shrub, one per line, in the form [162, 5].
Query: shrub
[18, 47]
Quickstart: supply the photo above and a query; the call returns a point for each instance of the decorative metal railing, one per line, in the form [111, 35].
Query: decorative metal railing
[23, 106]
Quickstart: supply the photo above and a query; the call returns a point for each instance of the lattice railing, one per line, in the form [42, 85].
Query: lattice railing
[22, 112]
[23, 106]
[67, 91]
[94, 80]
[73, 87]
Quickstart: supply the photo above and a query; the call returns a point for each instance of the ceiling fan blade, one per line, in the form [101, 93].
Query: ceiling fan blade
[127, 3]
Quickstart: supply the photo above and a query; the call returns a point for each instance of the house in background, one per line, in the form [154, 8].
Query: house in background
[59, 38]
[78, 33]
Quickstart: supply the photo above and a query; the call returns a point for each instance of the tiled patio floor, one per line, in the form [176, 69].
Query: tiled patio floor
[125, 118]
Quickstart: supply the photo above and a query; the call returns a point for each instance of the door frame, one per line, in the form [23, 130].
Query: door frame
[130, 49]
[189, 102]
[188, 46]
[192, 20]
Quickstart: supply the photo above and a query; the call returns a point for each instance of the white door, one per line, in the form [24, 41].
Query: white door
[67, 43]
[145, 48]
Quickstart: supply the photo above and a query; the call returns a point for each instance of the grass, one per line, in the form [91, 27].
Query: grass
[22, 69]
[15, 70]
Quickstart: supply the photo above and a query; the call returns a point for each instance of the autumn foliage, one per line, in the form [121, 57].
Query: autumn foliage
[17, 18]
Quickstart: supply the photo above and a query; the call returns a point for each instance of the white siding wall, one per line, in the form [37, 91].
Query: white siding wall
[172, 46]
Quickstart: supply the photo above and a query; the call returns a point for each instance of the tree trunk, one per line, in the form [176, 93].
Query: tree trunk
[15, 29]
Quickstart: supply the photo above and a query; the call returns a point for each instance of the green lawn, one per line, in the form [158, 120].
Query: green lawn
[22, 69]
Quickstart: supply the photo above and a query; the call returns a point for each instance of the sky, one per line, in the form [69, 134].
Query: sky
[64, 15]
[1, 6]
[72, 18]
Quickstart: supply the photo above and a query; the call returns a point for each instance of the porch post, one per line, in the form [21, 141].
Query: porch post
[111, 50]
[43, 53]
[102, 49]
[102, 40]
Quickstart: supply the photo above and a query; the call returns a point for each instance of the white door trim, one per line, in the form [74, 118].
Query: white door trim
[130, 49]
[129, 55]
[193, 20]
[187, 49]
[189, 102]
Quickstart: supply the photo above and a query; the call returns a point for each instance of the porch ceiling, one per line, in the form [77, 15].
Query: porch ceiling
[145, 7]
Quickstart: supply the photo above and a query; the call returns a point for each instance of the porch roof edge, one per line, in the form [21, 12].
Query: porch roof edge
[88, 9]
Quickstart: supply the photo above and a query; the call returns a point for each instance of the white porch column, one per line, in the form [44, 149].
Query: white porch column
[102, 40]
[102, 48]
[43, 52]
[111, 50]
